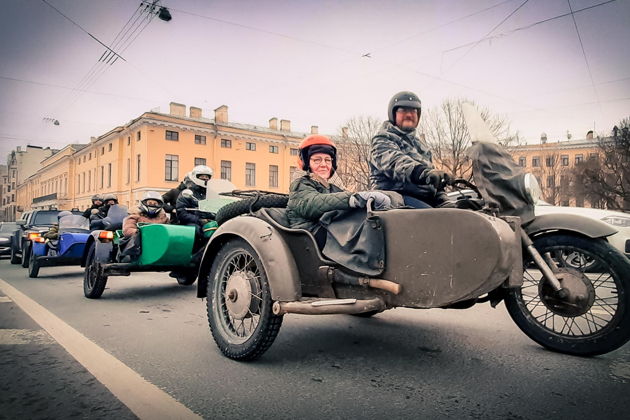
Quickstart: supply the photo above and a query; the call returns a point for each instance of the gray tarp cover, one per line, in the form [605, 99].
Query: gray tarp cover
[354, 240]
[500, 180]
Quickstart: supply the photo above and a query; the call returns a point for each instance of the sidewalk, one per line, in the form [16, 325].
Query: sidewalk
[40, 380]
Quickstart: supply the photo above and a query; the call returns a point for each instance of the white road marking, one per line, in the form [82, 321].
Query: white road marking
[5, 299]
[143, 398]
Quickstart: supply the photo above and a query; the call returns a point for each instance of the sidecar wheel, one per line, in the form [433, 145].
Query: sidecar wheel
[26, 253]
[15, 258]
[33, 266]
[595, 317]
[239, 303]
[93, 280]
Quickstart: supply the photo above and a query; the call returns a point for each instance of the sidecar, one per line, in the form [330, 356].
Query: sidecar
[67, 249]
[163, 247]
[256, 269]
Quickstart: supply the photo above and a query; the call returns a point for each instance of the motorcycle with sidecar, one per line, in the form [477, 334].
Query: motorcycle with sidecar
[491, 248]
[66, 250]
[163, 247]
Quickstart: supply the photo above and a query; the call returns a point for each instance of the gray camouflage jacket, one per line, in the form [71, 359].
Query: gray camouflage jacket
[310, 197]
[397, 158]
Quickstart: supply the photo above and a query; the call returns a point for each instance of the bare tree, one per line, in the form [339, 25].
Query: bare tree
[447, 136]
[606, 179]
[353, 149]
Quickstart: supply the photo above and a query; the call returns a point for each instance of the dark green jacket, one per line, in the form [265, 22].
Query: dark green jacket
[310, 197]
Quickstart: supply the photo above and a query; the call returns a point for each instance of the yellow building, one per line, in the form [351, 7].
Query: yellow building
[552, 164]
[156, 150]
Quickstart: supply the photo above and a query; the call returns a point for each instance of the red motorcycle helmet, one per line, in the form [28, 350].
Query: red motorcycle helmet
[316, 143]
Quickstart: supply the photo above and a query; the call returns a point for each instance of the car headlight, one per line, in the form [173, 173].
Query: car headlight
[532, 188]
[619, 221]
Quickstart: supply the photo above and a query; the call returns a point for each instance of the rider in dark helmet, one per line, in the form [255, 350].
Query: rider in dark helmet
[170, 199]
[401, 161]
[97, 201]
[99, 214]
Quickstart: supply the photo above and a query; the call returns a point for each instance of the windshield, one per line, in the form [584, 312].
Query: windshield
[73, 222]
[8, 227]
[44, 218]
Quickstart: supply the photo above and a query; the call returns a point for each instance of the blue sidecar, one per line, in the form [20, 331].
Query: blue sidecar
[66, 249]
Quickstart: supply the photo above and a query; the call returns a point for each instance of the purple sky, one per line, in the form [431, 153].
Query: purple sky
[302, 61]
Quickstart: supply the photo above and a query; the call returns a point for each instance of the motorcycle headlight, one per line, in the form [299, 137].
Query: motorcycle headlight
[532, 188]
[619, 221]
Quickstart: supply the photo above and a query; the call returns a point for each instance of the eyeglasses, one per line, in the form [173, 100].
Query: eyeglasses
[405, 110]
[318, 161]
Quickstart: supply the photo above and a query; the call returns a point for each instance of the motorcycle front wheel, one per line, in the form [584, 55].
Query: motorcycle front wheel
[595, 316]
[239, 303]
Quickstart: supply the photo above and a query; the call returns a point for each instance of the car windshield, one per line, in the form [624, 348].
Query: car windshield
[44, 218]
[8, 227]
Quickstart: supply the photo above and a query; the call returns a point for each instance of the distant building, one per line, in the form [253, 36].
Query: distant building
[155, 151]
[21, 164]
[552, 164]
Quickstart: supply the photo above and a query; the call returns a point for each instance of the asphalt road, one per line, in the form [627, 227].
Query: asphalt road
[403, 363]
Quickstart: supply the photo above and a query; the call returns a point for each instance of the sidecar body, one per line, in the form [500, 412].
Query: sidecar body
[67, 249]
[429, 258]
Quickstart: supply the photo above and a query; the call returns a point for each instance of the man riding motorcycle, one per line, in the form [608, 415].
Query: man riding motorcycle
[400, 161]
[97, 201]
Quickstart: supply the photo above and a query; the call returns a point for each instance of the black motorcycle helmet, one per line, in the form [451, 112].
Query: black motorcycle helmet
[406, 99]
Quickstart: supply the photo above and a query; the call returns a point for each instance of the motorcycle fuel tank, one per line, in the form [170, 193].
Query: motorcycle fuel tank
[442, 256]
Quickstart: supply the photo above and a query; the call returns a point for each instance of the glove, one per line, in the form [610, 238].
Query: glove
[439, 179]
[94, 211]
[360, 199]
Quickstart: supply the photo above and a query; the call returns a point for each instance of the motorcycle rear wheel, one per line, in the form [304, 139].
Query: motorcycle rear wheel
[596, 319]
[239, 303]
[94, 281]
[33, 266]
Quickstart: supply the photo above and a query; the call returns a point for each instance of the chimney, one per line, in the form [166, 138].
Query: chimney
[221, 114]
[344, 132]
[273, 123]
[178, 110]
[543, 138]
[195, 112]
[285, 125]
[314, 129]
[589, 135]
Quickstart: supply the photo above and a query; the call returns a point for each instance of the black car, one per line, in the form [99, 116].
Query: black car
[32, 225]
[6, 231]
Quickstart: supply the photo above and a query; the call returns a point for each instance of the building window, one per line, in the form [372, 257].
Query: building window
[273, 176]
[551, 181]
[90, 156]
[200, 161]
[128, 170]
[565, 160]
[250, 146]
[171, 168]
[226, 170]
[226, 143]
[128, 140]
[250, 174]
[138, 168]
[579, 158]
[294, 152]
[109, 174]
[138, 136]
[89, 180]
[593, 156]
[102, 152]
[273, 149]
[292, 171]
[109, 147]
[522, 161]
[172, 135]
[102, 176]
[549, 161]
[536, 162]
[200, 139]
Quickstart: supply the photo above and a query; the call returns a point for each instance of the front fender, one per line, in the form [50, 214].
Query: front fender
[275, 255]
[103, 249]
[570, 222]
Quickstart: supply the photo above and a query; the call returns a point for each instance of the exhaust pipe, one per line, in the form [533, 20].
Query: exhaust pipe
[329, 306]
